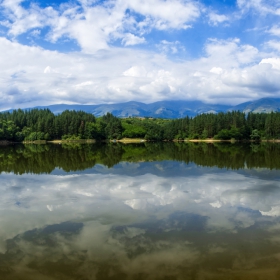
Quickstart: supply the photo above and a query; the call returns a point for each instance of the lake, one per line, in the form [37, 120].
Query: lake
[140, 211]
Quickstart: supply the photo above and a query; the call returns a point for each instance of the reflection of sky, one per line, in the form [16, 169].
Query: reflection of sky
[145, 220]
[168, 168]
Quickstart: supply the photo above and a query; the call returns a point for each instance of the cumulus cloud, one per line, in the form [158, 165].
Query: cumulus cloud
[170, 47]
[274, 30]
[273, 62]
[216, 19]
[94, 26]
[167, 14]
[130, 40]
[117, 74]
[262, 6]
[228, 71]
[231, 50]
[22, 20]
[273, 44]
[135, 71]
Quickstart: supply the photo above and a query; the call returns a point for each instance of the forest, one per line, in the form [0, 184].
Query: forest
[31, 125]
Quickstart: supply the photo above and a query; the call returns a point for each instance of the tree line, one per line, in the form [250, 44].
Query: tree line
[42, 124]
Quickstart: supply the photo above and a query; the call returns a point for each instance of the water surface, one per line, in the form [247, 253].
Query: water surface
[147, 211]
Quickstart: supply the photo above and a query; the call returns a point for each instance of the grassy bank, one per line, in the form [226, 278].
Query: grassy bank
[72, 141]
[135, 140]
[129, 140]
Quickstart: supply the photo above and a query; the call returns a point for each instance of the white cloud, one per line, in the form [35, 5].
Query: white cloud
[35, 32]
[136, 71]
[167, 14]
[216, 70]
[262, 6]
[5, 23]
[273, 62]
[48, 70]
[83, 85]
[170, 47]
[216, 19]
[231, 51]
[103, 73]
[95, 26]
[275, 30]
[262, 78]
[130, 40]
[228, 73]
[273, 44]
[23, 20]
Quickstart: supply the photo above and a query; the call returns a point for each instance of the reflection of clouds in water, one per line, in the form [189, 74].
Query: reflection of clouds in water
[274, 211]
[144, 226]
[75, 196]
[86, 254]
[98, 248]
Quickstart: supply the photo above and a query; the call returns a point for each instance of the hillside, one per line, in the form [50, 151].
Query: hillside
[167, 109]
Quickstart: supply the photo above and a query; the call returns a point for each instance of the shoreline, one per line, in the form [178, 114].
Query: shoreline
[207, 140]
[5, 142]
[129, 140]
[135, 140]
[72, 141]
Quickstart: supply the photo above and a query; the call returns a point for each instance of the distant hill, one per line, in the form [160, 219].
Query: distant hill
[263, 105]
[167, 109]
[161, 109]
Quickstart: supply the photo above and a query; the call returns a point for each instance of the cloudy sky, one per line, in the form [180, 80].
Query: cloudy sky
[93, 51]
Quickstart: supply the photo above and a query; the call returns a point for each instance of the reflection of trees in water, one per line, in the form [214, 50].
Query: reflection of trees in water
[74, 157]
[111, 154]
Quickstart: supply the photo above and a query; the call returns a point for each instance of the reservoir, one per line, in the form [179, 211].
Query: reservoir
[198, 211]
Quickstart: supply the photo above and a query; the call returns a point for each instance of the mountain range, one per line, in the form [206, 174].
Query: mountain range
[167, 109]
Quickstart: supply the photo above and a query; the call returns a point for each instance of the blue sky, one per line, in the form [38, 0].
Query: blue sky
[91, 52]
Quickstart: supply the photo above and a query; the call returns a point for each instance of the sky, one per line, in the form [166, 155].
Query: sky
[111, 51]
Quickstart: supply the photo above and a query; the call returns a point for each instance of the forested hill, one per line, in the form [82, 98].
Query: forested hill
[167, 109]
[38, 124]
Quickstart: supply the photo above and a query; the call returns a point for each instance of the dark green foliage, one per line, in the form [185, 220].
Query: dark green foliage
[133, 128]
[112, 126]
[44, 125]
[154, 132]
[148, 128]
[8, 130]
[233, 125]
[227, 134]
[255, 135]
[72, 123]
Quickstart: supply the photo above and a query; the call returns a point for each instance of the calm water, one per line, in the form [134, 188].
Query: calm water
[149, 211]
